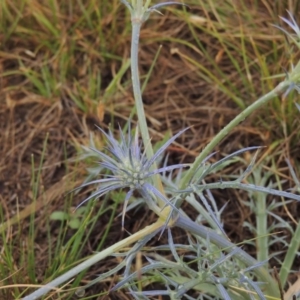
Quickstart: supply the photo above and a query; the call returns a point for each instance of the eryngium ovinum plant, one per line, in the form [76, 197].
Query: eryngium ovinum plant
[208, 265]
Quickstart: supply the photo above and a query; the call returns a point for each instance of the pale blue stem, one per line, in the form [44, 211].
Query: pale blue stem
[261, 214]
[136, 27]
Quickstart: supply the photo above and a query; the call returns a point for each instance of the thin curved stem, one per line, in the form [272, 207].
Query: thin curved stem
[227, 129]
[136, 27]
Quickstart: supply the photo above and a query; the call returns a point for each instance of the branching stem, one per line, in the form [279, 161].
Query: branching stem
[279, 89]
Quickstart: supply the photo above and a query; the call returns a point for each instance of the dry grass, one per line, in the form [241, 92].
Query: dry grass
[57, 62]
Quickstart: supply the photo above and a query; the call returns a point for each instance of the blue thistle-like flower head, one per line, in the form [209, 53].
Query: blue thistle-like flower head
[130, 169]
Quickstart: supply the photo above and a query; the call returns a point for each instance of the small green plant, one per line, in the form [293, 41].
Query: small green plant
[73, 219]
[208, 265]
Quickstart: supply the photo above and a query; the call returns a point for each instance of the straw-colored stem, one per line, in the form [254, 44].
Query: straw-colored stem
[93, 260]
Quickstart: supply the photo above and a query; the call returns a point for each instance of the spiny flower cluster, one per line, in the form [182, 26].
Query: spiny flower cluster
[130, 168]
